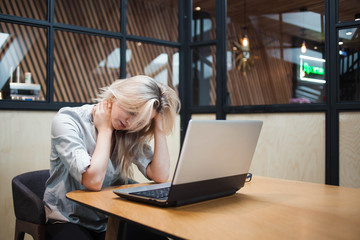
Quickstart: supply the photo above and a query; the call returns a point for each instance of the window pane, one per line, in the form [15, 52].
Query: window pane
[22, 62]
[349, 44]
[273, 68]
[204, 76]
[349, 10]
[158, 62]
[153, 19]
[203, 23]
[31, 8]
[103, 15]
[83, 64]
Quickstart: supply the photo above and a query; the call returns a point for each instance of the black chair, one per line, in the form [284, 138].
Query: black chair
[28, 192]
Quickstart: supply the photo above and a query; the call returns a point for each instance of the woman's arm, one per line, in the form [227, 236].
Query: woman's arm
[94, 176]
[158, 169]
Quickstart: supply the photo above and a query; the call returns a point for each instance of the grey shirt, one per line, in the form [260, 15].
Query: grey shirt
[73, 140]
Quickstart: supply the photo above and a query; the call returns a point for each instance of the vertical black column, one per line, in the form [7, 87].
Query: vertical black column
[332, 114]
[123, 39]
[185, 16]
[221, 77]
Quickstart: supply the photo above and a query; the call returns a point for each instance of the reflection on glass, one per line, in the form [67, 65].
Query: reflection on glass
[31, 8]
[83, 64]
[103, 15]
[22, 62]
[349, 10]
[153, 19]
[204, 76]
[158, 62]
[349, 73]
[203, 23]
[284, 59]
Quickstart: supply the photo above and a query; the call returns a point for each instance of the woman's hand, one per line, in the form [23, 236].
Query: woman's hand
[102, 116]
[94, 176]
[158, 169]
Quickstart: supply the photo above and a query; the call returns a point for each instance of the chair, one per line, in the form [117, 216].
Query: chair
[28, 191]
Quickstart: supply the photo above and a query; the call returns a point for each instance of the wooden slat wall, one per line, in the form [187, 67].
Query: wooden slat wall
[77, 74]
[104, 14]
[153, 19]
[143, 54]
[31, 8]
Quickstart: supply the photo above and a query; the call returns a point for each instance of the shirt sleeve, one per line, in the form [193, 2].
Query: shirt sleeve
[143, 161]
[69, 145]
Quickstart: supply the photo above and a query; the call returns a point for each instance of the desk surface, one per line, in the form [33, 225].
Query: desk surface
[265, 208]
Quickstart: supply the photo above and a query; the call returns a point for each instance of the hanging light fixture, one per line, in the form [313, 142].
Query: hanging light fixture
[245, 39]
[303, 48]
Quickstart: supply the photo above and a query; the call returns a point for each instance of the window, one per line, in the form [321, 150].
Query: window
[275, 55]
[22, 62]
[158, 62]
[83, 63]
[349, 64]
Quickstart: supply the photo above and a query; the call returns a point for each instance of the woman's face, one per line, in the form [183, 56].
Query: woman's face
[122, 119]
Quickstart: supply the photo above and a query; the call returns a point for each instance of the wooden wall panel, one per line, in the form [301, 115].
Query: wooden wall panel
[77, 71]
[291, 146]
[154, 19]
[349, 149]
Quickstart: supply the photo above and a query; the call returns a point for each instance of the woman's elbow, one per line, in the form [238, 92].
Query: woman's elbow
[92, 184]
[161, 178]
[95, 188]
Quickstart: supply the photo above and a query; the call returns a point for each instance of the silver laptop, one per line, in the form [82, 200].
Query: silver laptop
[214, 162]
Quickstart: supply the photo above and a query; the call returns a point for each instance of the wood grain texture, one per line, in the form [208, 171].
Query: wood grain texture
[349, 149]
[266, 208]
[290, 146]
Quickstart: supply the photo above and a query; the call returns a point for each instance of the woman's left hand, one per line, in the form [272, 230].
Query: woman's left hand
[158, 169]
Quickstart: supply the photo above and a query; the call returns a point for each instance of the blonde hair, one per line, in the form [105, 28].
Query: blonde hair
[140, 95]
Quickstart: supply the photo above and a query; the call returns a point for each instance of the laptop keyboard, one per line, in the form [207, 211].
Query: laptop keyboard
[161, 193]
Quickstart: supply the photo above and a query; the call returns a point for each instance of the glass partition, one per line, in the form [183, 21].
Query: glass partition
[22, 62]
[36, 9]
[275, 52]
[82, 64]
[349, 10]
[349, 64]
[204, 76]
[203, 23]
[153, 19]
[103, 15]
[158, 62]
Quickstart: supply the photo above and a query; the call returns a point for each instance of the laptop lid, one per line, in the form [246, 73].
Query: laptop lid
[215, 159]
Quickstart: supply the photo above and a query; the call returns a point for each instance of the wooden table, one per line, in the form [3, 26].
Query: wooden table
[265, 208]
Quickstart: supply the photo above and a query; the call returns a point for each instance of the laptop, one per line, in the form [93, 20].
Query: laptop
[214, 162]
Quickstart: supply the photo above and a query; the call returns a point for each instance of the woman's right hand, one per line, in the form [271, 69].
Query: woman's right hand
[102, 116]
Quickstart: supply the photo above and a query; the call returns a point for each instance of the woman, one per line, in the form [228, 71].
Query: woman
[93, 146]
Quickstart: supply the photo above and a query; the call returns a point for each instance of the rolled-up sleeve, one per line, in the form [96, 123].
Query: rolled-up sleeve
[69, 147]
[143, 162]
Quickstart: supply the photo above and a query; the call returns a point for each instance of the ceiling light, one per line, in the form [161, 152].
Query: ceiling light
[197, 8]
[303, 47]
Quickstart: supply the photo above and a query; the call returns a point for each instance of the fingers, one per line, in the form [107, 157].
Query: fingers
[104, 106]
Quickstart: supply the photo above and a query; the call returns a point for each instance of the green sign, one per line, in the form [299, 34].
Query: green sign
[312, 69]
